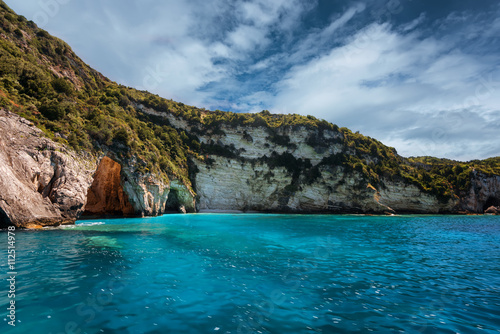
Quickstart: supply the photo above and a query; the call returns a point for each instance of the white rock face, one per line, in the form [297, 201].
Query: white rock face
[232, 185]
[181, 198]
[403, 197]
[147, 193]
[254, 143]
[245, 181]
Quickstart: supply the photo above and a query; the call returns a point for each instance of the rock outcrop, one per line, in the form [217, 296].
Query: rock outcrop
[493, 210]
[149, 193]
[483, 193]
[258, 169]
[252, 185]
[42, 183]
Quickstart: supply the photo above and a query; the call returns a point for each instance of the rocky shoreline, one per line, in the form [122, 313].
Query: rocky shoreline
[46, 184]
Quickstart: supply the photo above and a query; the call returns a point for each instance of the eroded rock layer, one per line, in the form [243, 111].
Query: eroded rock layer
[106, 195]
[43, 183]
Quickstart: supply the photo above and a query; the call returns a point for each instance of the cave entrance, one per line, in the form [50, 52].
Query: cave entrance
[105, 196]
[491, 201]
[173, 204]
[4, 219]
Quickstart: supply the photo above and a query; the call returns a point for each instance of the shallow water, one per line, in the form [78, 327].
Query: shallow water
[225, 273]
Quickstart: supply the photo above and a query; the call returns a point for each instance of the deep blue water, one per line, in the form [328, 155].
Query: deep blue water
[213, 273]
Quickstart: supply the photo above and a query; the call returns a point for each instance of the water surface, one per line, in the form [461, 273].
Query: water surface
[251, 273]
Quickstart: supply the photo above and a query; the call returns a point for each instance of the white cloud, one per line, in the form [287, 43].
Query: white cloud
[380, 80]
[246, 38]
[316, 40]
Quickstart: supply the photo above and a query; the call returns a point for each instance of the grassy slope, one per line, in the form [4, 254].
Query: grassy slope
[43, 80]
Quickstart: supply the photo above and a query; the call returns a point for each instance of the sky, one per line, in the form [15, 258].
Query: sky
[419, 75]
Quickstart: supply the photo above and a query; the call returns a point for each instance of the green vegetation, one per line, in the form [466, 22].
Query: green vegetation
[43, 80]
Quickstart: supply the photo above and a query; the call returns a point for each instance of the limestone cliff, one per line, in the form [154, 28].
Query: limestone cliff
[44, 183]
[297, 169]
[483, 193]
[260, 178]
[151, 195]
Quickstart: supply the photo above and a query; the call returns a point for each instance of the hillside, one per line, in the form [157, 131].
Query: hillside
[172, 156]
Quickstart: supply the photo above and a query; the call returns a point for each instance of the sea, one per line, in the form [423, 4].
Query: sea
[255, 273]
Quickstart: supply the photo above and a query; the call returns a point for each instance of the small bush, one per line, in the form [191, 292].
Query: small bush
[121, 136]
[53, 111]
[61, 85]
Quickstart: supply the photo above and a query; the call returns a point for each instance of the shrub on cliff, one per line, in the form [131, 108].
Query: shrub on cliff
[121, 136]
[53, 111]
[61, 85]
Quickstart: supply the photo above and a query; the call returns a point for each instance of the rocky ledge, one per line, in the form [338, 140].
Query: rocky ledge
[42, 183]
[493, 210]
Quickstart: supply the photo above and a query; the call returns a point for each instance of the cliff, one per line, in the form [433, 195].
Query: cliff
[74, 143]
[44, 183]
[483, 194]
[248, 171]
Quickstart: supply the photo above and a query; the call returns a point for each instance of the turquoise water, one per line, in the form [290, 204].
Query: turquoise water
[213, 273]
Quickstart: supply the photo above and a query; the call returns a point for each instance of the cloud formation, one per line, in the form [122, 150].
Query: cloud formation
[420, 77]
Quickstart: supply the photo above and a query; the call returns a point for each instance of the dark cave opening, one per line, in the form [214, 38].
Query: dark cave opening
[4, 219]
[173, 205]
[491, 201]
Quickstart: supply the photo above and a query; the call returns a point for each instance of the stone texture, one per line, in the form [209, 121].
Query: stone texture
[183, 198]
[495, 210]
[484, 192]
[41, 182]
[228, 184]
[106, 195]
[245, 183]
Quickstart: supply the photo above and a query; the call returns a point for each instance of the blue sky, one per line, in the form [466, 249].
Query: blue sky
[421, 76]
